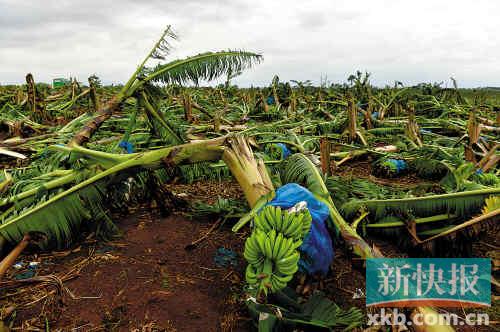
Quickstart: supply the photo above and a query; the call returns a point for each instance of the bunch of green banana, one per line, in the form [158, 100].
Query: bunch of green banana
[271, 249]
[292, 224]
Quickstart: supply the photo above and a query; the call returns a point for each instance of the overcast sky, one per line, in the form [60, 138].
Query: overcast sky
[410, 41]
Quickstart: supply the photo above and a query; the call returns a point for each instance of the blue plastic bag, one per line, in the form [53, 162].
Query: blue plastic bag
[129, 147]
[285, 151]
[400, 164]
[270, 100]
[225, 257]
[317, 248]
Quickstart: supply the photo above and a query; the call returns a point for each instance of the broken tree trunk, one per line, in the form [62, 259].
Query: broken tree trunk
[250, 174]
[474, 132]
[92, 125]
[35, 102]
[264, 103]
[188, 108]
[352, 117]
[325, 148]
[412, 129]
[93, 95]
[489, 160]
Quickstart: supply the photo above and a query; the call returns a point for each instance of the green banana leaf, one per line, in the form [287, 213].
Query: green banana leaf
[318, 312]
[464, 203]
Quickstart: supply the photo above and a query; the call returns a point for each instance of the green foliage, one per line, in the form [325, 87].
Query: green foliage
[299, 169]
[429, 168]
[222, 207]
[203, 171]
[486, 179]
[464, 204]
[317, 312]
[205, 66]
[59, 217]
[343, 189]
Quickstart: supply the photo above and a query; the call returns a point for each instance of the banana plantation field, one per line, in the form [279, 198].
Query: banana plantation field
[168, 204]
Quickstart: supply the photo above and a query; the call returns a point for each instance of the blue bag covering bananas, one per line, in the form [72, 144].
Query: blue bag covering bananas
[316, 251]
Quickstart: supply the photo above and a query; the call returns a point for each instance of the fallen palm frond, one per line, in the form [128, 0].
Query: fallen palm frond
[206, 66]
[59, 217]
[462, 203]
[493, 216]
[490, 214]
[317, 312]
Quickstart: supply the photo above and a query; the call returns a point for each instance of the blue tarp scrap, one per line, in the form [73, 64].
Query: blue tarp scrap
[28, 273]
[18, 265]
[317, 248]
[129, 147]
[400, 164]
[270, 100]
[285, 151]
[375, 115]
[225, 257]
[25, 275]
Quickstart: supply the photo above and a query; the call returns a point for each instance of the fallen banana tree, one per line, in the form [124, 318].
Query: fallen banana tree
[60, 212]
[490, 213]
[300, 169]
[205, 66]
[69, 207]
[460, 203]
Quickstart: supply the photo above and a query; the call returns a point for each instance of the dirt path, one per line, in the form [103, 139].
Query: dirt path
[148, 280]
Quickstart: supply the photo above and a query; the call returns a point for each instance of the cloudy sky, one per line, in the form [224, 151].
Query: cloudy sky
[410, 41]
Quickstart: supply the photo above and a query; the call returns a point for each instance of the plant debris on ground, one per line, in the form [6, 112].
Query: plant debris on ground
[133, 207]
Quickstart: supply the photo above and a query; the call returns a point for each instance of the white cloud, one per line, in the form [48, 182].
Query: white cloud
[395, 40]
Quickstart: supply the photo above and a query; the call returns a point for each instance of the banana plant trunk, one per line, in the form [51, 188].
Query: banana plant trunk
[352, 116]
[251, 175]
[188, 108]
[100, 117]
[94, 98]
[35, 101]
[325, 148]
